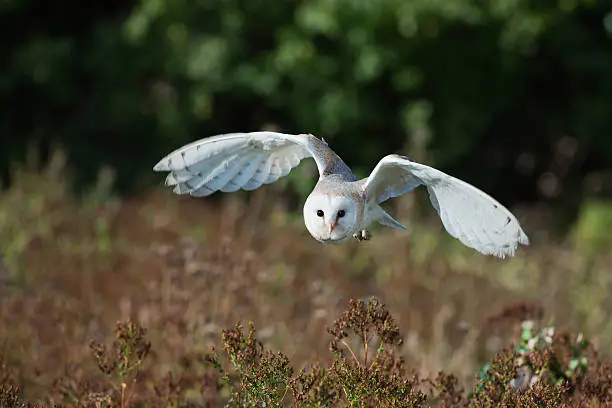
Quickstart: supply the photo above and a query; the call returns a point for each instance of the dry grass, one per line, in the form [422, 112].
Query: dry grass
[187, 269]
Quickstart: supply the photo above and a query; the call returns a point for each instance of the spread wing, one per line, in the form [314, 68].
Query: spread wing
[245, 161]
[467, 213]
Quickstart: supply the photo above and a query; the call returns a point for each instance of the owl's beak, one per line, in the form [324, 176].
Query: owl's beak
[331, 226]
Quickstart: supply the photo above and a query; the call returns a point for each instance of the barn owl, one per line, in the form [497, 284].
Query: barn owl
[340, 206]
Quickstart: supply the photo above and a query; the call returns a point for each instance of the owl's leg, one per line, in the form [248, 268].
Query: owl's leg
[362, 235]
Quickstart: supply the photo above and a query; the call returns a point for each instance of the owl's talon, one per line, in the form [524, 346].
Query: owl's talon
[363, 235]
[366, 235]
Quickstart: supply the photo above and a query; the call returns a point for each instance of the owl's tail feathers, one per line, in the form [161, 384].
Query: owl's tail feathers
[385, 219]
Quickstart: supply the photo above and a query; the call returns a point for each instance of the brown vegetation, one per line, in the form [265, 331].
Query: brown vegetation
[178, 280]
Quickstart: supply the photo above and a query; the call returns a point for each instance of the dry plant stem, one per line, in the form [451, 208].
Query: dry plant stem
[256, 206]
[284, 394]
[352, 353]
[345, 393]
[123, 386]
[365, 346]
[129, 398]
[166, 292]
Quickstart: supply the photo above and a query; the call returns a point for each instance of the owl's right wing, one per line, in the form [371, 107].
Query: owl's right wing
[234, 161]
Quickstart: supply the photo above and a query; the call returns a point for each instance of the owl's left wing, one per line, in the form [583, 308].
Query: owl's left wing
[467, 213]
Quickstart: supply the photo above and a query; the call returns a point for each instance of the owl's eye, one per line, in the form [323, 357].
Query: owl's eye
[320, 213]
[341, 213]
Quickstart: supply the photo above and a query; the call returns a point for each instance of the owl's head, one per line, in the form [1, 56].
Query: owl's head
[331, 218]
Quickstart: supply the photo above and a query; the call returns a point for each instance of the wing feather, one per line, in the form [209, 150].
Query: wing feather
[204, 183]
[284, 165]
[245, 173]
[467, 213]
[202, 191]
[275, 171]
[208, 168]
[261, 175]
[228, 170]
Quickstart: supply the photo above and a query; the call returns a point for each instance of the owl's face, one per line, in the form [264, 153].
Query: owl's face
[331, 218]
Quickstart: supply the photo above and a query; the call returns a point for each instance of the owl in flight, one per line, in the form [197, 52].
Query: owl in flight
[340, 206]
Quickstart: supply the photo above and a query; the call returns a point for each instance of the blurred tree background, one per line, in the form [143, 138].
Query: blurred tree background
[513, 95]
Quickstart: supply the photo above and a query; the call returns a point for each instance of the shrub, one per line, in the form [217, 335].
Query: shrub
[365, 369]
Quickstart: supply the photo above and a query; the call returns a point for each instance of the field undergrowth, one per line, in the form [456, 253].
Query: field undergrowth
[147, 301]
